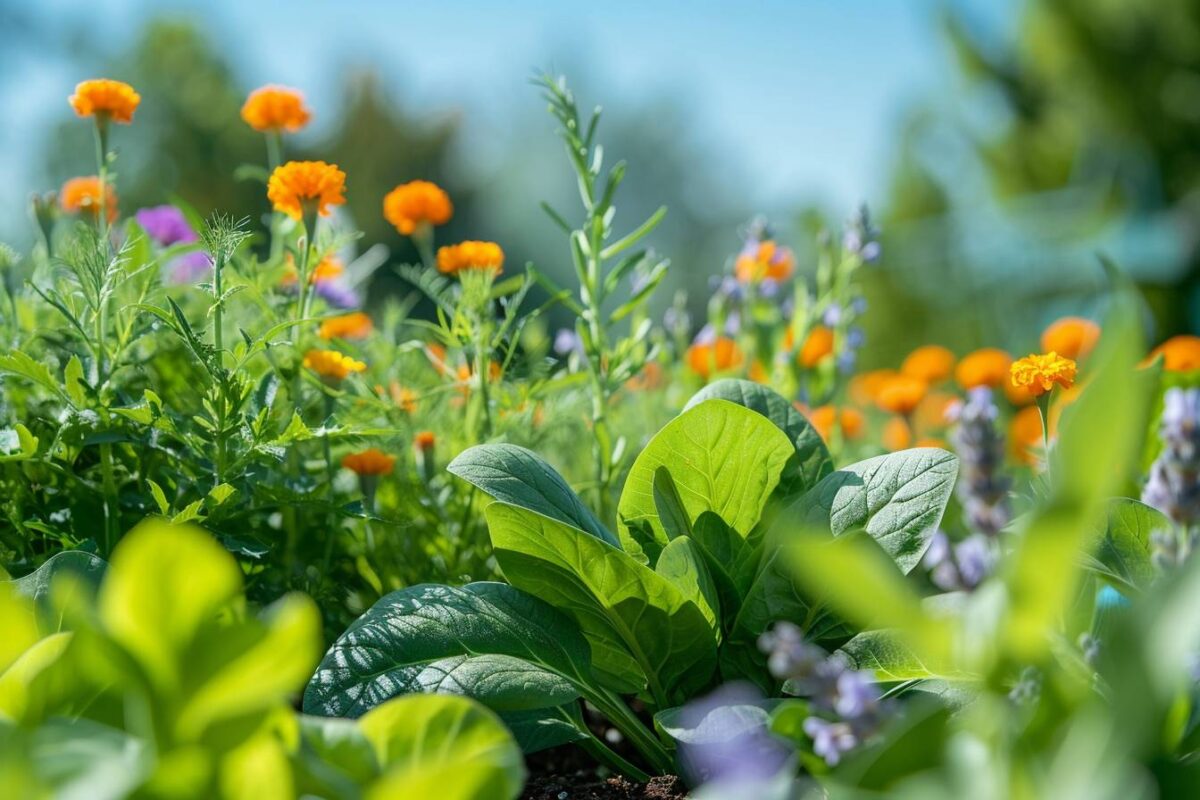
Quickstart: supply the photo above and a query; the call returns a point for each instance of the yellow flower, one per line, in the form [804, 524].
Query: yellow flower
[275, 108]
[1039, 373]
[931, 363]
[297, 184]
[372, 461]
[331, 365]
[356, 325]
[82, 196]
[105, 99]
[455, 258]
[416, 203]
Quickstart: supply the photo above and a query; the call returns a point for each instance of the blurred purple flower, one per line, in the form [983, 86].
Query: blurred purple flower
[962, 566]
[846, 360]
[831, 740]
[768, 287]
[733, 324]
[337, 294]
[859, 304]
[705, 335]
[166, 225]
[832, 315]
[566, 341]
[190, 267]
[1173, 486]
[724, 737]
[855, 337]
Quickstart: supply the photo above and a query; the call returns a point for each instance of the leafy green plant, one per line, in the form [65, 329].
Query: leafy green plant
[150, 678]
[661, 611]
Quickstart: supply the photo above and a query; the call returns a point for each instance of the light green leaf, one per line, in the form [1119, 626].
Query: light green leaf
[722, 457]
[73, 379]
[17, 444]
[642, 630]
[20, 363]
[521, 478]
[810, 462]
[442, 746]
[897, 498]
[1124, 548]
[160, 497]
[682, 564]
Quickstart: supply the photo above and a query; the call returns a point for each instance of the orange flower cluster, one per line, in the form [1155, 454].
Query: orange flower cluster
[901, 394]
[708, 358]
[82, 196]
[356, 325]
[416, 203]
[988, 366]
[424, 441]
[275, 109]
[105, 99]
[764, 260]
[372, 461]
[1039, 373]
[332, 366]
[456, 258]
[404, 398]
[299, 184]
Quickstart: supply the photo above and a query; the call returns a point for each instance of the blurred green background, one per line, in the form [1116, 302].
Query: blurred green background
[1001, 144]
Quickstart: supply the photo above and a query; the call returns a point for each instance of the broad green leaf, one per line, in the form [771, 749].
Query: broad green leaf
[86, 570]
[731, 560]
[810, 462]
[910, 743]
[260, 665]
[722, 457]
[893, 660]
[442, 746]
[73, 381]
[164, 585]
[537, 729]
[521, 478]
[19, 688]
[642, 630]
[671, 512]
[257, 769]
[334, 757]
[897, 498]
[80, 758]
[488, 641]
[682, 564]
[1125, 547]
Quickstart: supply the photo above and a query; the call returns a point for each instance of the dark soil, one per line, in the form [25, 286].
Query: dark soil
[567, 773]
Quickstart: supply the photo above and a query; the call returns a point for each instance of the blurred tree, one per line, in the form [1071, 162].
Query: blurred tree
[1075, 134]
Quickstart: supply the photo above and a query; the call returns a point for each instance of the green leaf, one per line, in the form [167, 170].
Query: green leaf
[810, 463]
[20, 687]
[160, 497]
[541, 728]
[17, 444]
[892, 660]
[488, 641]
[722, 458]
[20, 363]
[682, 564]
[671, 513]
[521, 478]
[642, 630]
[86, 570]
[442, 746]
[897, 498]
[1124, 548]
[73, 380]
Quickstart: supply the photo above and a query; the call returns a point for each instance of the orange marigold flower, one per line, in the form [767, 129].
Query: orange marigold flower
[455, 258]
[1179, 353]
[275, 108]
[1039, 373]
[931, 412]
[356, 325]
[931, 363]
[849, 420]
[650, 377]
[897, 435]
[437, 357]
[985, 367]
[331, 365]
[864, 387]
[424, 441]
[817, 345]
[1018, 395]
[299, 184]
[1025, 435]
[416, 203]
[720, 355]
[902, 394]
[761, 260]
[758, 373]
[82, 196]
[327, 269]
[372, 461]
[1071, 337]
[106, 99]
[405, 399]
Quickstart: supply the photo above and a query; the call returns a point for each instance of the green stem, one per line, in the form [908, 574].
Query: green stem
[482, 368]
[602, 753]
[614, 709]
[423, 240]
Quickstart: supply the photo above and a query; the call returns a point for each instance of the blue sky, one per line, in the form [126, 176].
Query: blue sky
[802, 96]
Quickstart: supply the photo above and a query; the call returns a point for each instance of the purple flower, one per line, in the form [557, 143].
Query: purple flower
[733, 324]
[190, 267]
[768, 287]
[830, 739]
[856, 695]
[705, 335]
[832, 315]
[846, 361]
[725, 737]
[338, 294]
[859, 304]
[166, 225]
[982, 487]
[566, 341]
[855, 337]
[962, 566]
[1173, 486]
